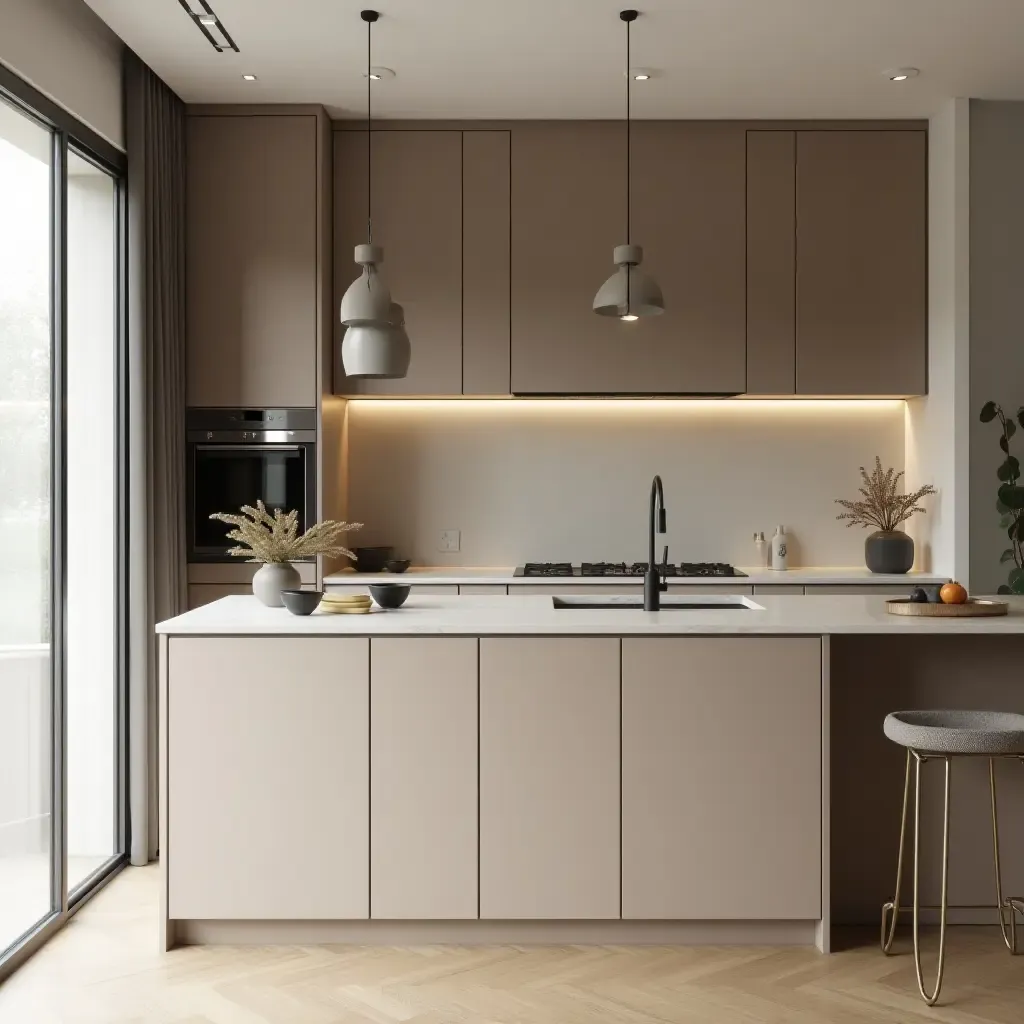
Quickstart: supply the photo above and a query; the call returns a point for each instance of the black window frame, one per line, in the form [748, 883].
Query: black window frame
[68, 134]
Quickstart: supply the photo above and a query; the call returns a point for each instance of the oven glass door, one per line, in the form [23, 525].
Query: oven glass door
[226, 477]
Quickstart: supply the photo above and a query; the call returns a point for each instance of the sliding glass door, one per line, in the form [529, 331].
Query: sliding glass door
[27, 893]
[92, 524]
[62, 536]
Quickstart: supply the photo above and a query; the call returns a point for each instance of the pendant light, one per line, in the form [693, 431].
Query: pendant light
[375, 342]
[629, 293]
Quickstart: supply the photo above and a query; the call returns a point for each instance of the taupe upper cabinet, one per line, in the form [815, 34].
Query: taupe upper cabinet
[417, 218]
[569, 210]
[837, 262]
[441, 212]
[251, 260]
[861, 242]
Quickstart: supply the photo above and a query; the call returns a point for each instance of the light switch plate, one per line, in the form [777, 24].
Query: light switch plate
[449, 540]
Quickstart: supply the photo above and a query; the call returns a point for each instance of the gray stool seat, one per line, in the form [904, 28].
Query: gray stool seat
[957, 732]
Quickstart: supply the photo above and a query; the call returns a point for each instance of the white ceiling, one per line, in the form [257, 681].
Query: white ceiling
[564, 58]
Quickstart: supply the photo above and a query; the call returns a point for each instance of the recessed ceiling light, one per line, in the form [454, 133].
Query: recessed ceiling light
[248, 78]
[379, 74]
[642, 74]
[207, 19]
[902, 74]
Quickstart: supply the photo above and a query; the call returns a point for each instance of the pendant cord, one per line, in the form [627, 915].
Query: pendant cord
[629, 147]
[369, 138]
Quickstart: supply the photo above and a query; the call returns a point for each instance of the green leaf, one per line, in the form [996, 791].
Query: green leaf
[1004, 589]
[1018, 533]
[1011, 428]
[1004, 444]
[1001, 508]
[1017, 581]
[1008, 555]
[1020, 415]
[1012, 496]
[988, 412]
[1009, 470]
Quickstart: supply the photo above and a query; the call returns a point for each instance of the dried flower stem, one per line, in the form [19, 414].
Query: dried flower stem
[882, 506]
[275, 538]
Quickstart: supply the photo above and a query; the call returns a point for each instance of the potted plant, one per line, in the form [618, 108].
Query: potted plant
[1009, 497]
[888, 549]
[274, 541]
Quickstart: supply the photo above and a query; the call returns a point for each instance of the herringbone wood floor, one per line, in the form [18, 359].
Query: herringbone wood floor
[103, 968]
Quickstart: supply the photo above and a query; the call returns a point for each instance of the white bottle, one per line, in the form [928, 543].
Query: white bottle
[780, 552]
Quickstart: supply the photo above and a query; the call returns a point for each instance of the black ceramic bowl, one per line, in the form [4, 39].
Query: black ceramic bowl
[397, 565]
[372, 559]
[389, 595]
[301, 602]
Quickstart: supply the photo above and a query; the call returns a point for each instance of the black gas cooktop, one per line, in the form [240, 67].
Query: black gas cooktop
[683, 569]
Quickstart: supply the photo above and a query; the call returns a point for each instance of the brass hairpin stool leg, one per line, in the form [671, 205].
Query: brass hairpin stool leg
[930, 998]
[1009, 907]
[891, 910]
[893, 906]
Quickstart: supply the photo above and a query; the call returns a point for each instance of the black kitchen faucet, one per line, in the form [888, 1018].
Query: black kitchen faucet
[655, 582]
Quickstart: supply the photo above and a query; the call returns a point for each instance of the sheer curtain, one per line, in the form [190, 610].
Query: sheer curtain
[156, 444]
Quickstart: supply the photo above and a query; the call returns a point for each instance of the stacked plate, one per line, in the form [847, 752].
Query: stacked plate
[346, 604]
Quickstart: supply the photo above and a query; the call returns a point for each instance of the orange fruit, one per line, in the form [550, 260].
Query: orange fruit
[952, 593]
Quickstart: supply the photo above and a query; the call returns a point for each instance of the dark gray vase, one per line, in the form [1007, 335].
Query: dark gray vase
[889, 552]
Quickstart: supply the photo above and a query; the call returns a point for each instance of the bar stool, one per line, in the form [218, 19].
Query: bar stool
[941, 736]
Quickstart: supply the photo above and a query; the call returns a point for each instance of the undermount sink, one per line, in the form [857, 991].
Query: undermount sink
[682, 603]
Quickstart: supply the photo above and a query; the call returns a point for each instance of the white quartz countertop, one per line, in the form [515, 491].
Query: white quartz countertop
[529, 615]
[500, 575]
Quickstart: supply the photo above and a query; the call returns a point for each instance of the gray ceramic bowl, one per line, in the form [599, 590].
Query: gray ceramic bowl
[301, 602]
[398, 565]
[389, 595]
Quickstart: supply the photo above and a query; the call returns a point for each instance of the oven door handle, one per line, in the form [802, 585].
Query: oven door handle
[238, 448]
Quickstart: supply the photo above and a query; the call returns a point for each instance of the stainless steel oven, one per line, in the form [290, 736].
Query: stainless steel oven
[238, 455]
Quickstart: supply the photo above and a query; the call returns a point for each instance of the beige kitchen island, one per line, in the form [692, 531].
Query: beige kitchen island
[498, 769]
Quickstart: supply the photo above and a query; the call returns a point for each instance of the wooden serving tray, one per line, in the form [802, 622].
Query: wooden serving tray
[970, 608]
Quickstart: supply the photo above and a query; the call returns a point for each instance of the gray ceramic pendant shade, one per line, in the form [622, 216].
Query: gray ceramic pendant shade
[375, 343]
[367, 299]
[377, 350]
[630, 292]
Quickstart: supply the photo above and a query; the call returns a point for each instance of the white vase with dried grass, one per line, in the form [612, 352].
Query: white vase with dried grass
[274, 541]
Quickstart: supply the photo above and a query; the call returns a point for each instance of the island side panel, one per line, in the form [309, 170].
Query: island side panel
[166, 937]
[871, 676]
[268, 778]
[549, 778]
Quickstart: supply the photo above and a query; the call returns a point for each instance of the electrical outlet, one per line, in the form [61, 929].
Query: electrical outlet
[448, 541]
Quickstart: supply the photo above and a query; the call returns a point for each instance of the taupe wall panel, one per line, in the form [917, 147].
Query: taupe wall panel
[996, 315]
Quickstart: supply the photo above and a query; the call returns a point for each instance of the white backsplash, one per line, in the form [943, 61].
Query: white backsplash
[569, 481]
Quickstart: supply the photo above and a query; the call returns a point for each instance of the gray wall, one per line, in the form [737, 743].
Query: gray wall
[63, 49]
[997, 314]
